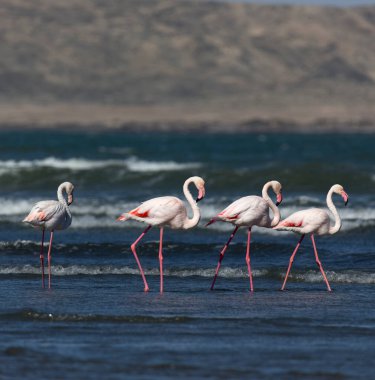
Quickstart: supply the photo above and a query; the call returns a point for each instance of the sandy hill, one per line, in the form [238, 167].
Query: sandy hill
[182, 59]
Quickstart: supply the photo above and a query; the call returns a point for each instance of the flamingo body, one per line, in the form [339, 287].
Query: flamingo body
[51, 215]
[163, 212]
[249, 211]
[313, 221]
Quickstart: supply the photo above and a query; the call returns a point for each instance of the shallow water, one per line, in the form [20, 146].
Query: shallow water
[96, 322]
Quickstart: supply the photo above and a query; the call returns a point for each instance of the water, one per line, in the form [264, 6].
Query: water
[97, 322]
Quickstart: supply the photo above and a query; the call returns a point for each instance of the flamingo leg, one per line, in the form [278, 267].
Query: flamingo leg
[319, 263]
[291, 261]
[136, 256]
[161, 259]
[49, 260]
[248, 259]
[42, 259]
[222, 256]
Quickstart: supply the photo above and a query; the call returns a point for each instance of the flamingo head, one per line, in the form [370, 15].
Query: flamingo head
[276, 187]
[69, 188]
[338, 189]
[199, 183]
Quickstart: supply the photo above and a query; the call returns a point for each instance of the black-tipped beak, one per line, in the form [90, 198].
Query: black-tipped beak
[200, 194]
[345, 197]
[70, 199]
[279, 199]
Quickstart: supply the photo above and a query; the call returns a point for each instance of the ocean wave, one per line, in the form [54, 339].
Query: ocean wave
[19, 244]
[133, 164]
[343, 277]
[136, 165]
[102, 213]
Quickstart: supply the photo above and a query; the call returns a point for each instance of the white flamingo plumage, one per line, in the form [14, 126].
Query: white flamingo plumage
[313, 221]
[248, 212]
[163, 212]
[51, 215]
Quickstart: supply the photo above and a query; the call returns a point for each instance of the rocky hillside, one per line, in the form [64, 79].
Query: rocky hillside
[142, 52]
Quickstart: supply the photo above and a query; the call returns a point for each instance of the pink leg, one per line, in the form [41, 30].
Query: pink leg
[42, 259]
[49, 260]
[291, 261]
[319, 263]
[222, 255]
[248, 260]
[136, 257]
[161, 259]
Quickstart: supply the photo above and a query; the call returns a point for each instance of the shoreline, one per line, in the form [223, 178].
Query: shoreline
[192, 118]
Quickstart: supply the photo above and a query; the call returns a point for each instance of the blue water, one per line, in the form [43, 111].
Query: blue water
[97, 322]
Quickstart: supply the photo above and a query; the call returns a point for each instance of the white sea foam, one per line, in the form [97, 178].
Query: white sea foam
[93, 213]
[136, 165]
[132, 163]
[18, 243]
[343, 277]
[94, 270]
[15, 206]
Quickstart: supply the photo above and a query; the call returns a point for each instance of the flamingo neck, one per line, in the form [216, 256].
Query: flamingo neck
[336, 227]
[192, 222]
[61, 197]
[273, 207]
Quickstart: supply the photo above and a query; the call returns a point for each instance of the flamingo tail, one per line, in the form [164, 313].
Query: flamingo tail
[122, 217]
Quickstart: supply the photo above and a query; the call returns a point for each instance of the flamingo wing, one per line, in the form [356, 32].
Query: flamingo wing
[246, 210]
[295, 220]
[156, 211]
[43, 212]
[306, 221]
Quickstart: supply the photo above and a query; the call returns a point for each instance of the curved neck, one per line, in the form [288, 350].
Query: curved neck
[336, 227]
[273, 207]
[189, 223]
[61, 197]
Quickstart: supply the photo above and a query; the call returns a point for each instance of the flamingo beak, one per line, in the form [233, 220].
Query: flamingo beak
[279, 199]
[201, 194]
[345, 197]
[70, 199]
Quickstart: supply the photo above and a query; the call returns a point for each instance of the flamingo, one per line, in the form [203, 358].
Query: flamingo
[163, 212]
[248, 212]
[51, 216]
[313, 221]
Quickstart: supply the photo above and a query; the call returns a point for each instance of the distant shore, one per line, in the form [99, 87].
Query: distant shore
[188, 118]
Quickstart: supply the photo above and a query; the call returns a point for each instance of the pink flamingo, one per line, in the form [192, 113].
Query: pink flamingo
[249, 211]
[51, 216]
[165, 212]
[313, 221]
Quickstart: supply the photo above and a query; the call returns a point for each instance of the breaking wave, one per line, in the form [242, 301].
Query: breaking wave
[102, 213]
[132, 164]
[343, 277]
